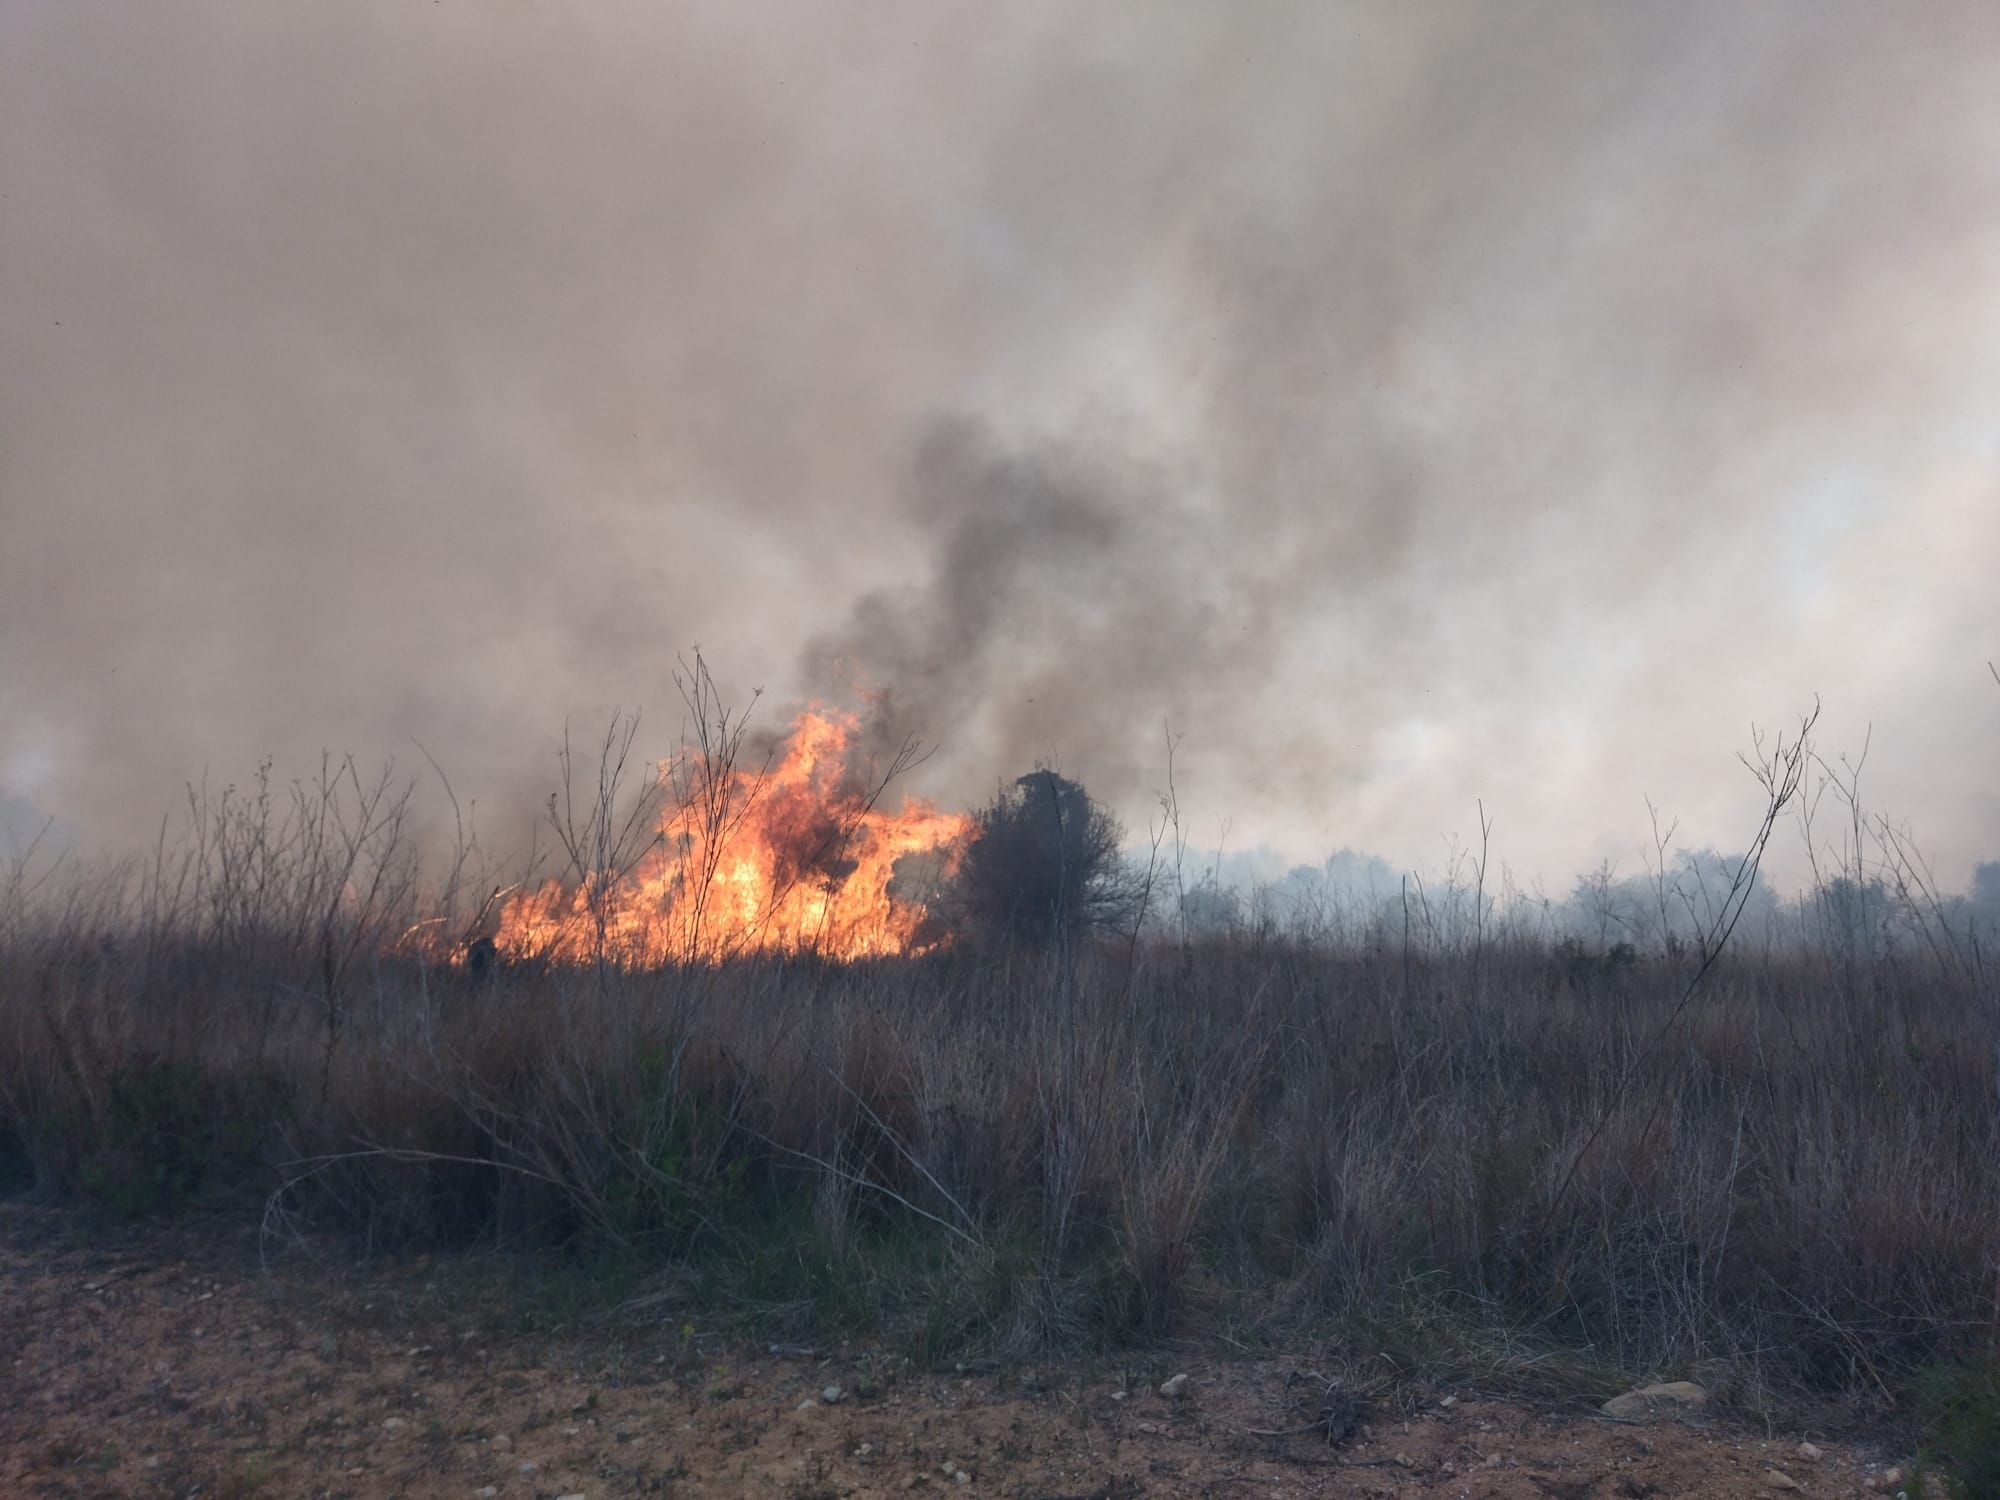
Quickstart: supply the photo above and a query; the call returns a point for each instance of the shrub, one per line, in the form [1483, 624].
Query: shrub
[169, 1129]
[1043, 866]
[1960, 1409]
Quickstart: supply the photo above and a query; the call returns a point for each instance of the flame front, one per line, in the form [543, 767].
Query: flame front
[790, 858]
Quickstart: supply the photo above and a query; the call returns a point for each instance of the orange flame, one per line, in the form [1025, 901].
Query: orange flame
[790, 858]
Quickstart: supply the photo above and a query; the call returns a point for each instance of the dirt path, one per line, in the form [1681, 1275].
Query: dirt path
[168, 1364]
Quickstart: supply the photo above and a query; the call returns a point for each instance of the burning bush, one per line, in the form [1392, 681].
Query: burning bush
[796, 854]
[718, 854]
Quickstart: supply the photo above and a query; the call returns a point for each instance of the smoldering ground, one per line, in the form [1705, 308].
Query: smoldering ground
[1411, 406]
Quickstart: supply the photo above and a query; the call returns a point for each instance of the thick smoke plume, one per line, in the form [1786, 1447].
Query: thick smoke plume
[1409, 404]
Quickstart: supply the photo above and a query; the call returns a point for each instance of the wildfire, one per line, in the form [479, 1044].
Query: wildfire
[793, 856]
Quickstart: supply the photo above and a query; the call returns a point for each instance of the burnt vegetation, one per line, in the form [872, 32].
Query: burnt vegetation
[1670, 1127]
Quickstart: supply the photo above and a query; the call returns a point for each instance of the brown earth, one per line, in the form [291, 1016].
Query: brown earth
[174, 1363]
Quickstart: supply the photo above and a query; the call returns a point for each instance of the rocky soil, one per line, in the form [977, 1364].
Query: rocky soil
[177, 1363]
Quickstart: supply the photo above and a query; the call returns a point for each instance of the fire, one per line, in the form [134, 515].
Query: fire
[791, 857]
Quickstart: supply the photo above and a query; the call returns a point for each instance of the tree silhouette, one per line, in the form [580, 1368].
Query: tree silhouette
[1043, 865]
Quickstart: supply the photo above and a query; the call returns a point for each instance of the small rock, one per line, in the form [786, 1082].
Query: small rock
[1118, 1395]
[1778, 1479]
[487, 1491]
[1812, 1453]
[394, 1424]
[831, 1395]
[1675, 1397]
[1404, 1461]
[1891, 1478]
[1149, 1427]
[961, 1477]
[502, 1442]
[576, 1496]
[1448, 1402]
[811, 1403]
[1175, 1388]
[528, 1468]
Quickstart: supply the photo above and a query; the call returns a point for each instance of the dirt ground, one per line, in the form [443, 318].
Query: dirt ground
[174, 1363]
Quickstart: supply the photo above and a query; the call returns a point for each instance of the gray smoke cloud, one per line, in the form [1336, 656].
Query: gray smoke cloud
[1412, 405]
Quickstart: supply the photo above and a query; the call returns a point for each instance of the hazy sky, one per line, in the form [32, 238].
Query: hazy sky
[1414, 404]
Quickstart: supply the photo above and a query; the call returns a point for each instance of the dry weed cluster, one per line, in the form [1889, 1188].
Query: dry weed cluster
[1801, 1172]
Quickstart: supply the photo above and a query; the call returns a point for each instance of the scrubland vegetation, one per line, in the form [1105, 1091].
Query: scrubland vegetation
[1443, 1129]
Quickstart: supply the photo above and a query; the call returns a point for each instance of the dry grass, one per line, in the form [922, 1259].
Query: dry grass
[1458, 1143]
[1801, 1182]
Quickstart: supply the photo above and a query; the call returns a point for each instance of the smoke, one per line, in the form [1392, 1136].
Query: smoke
[1409, 406]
